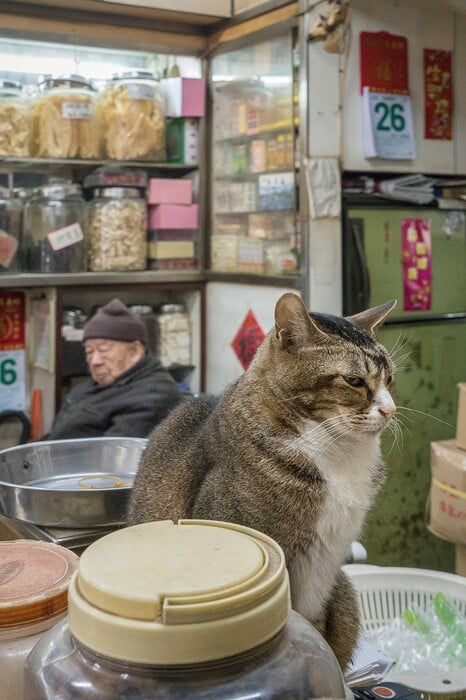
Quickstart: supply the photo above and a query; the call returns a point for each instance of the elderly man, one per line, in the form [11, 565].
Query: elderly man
[129, 391]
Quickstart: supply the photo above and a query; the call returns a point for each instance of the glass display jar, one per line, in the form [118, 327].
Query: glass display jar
[65, 119]
[116, 223]
[197, 609]
[54, 229]
[133, 116]
[11, 222]
[173, 335]
[33, 597]
[145, 313]
[14, 120]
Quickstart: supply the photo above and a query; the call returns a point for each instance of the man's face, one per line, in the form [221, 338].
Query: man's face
[108, 359]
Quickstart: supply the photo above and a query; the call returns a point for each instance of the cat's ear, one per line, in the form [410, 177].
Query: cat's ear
[293, 325]
[371, 318]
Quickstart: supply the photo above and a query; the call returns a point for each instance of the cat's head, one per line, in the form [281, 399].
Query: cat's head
[328, 368]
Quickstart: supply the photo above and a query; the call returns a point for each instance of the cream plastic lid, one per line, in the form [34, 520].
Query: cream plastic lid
[163, 593]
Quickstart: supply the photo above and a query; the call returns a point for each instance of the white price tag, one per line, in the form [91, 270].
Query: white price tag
[77, 110]
[66, 236]
[388, 126]
[140, 92]
[12, 380]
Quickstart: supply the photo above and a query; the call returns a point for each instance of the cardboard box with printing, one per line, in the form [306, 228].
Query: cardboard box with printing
[461, 417]
[448, 491]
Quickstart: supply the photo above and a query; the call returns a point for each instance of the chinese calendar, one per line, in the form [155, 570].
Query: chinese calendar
[12, 320]
[383, 62]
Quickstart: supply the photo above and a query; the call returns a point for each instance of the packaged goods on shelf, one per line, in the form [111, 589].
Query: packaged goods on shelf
[277, 191]
[116, 177]
[184, 97]
[169, 191]
[183, 140]
[173, 264]
[163, 216]
[159, 250]
[271, 225]
[250, 256]
[66, 119]
[133, 117]
[224, 253]
[14, 120]
[116, 223]
[173, 234]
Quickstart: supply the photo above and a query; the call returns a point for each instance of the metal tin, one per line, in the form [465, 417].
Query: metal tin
[69, 483]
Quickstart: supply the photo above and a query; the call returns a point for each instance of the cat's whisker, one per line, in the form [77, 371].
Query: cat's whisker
[423, 413]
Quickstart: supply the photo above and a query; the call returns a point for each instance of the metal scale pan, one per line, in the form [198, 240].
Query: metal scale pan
[69, 483]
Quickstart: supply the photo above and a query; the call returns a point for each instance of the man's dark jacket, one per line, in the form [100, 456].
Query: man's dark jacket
[131, 406]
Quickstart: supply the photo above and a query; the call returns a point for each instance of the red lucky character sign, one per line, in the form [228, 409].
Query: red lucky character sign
[438, 94]
[248, 338]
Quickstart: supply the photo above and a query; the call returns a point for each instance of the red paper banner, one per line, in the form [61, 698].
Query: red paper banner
[417, 264]
[438, 95]
[12, 320]
[383, 62]
[247, 340]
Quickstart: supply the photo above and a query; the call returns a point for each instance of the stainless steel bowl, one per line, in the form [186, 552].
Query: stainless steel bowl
[69, 483]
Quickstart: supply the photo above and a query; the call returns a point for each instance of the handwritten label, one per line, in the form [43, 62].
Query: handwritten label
[66, 236]
[77, 110]
[140, 92]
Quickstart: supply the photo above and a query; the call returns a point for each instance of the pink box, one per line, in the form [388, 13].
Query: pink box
[184, 97]
[173, 216]
[165, 190]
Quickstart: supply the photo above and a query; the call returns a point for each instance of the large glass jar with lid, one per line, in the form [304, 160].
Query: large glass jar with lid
[11, 222]
[198, 610]
[14, 120]
[65, 119]
[116, 223]
[54, 229]
[133, 117]
[173, 335]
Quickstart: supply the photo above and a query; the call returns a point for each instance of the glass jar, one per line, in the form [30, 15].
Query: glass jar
[200, 609]
[173, 335]
[11, 224]
[145, 313]
[33, 597]
[54, 229]
[14, 120]
[117, 229]
[65, 119]
[133, 116]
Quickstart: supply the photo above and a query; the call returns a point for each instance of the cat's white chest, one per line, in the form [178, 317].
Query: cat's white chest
[348, 469]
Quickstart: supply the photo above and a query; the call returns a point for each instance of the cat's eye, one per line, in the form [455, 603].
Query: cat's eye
[357, 382]
[389, 380]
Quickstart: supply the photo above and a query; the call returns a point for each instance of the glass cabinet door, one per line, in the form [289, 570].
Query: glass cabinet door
[253, 188]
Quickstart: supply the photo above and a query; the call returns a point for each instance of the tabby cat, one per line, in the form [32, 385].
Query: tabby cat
[291, 448]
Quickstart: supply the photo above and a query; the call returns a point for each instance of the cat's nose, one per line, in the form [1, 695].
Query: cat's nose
[387, 409]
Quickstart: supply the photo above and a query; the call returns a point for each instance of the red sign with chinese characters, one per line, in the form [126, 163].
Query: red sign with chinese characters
[248, 338]
[438, 95]
[383, 62]
[417, 264]
[12, 320]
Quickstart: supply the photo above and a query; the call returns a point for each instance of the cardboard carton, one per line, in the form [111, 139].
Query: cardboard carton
[184, 97]
[167, 190]
[461, 418]
[448, 491]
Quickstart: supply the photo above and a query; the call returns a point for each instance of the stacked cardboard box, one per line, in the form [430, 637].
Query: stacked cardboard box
[173, 225]
[448, 486]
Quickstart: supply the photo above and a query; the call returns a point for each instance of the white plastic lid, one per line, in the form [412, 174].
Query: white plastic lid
[164, 593]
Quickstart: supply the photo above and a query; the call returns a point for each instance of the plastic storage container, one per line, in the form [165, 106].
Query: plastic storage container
[174, 335]
[65, 119]
[117, 229]
[54, 229]
[188, 611]
[133, 117]
[34, 578]
[11, 230]
[14, 120]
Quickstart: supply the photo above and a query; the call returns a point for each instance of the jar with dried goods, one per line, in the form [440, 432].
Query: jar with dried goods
[33, 597]
[188, 611]
[14, 120]
[54, 228]
[133, 116]
[116, 223]
[11, 220]
[65, 119]
[173, 335]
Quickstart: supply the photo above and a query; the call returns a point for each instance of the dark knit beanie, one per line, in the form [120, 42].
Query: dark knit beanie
[114, 321]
